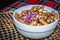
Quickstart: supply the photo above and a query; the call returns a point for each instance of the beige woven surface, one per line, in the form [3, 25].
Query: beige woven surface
[9, 32]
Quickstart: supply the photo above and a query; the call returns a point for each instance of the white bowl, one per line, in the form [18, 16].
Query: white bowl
[35, 32]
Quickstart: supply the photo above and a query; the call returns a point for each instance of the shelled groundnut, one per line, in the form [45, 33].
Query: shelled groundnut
[48, 21]
[40, 13]
[36, 16]
[40, 10]
[55, 16]
[52, 17]
[51, 20]
[34, 23]
[44, 11]
[45, 17]
[20, 20]
[25, 11]
[22, 14]
[34, 8]
[31, 10]
[43, 21]
[39, 24]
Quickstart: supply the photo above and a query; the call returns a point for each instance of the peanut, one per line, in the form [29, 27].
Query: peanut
[39, 24]
[34, 22]
[47, 17]
[40, 10]
[44, 11]
[43, 21]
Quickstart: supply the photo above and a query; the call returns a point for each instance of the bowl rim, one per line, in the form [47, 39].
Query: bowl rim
[35, 26]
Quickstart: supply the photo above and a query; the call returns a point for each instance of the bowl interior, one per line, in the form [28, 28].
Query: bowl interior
[49, 9]
[29, 28]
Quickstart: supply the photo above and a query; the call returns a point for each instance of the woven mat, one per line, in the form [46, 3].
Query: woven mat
[9, 32]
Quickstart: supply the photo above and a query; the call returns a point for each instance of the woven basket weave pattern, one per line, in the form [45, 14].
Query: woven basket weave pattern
[9, 32]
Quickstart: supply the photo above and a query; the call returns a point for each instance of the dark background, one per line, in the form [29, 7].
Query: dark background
[14, 4]
[4, 3]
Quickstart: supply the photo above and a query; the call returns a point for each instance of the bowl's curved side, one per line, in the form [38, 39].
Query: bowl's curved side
[35, 35]
[33, 28]
[36, 29]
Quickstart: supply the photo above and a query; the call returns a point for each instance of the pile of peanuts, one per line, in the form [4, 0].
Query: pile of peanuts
[36, 16]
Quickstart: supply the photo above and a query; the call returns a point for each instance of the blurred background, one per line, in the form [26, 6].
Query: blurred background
[15, 4]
